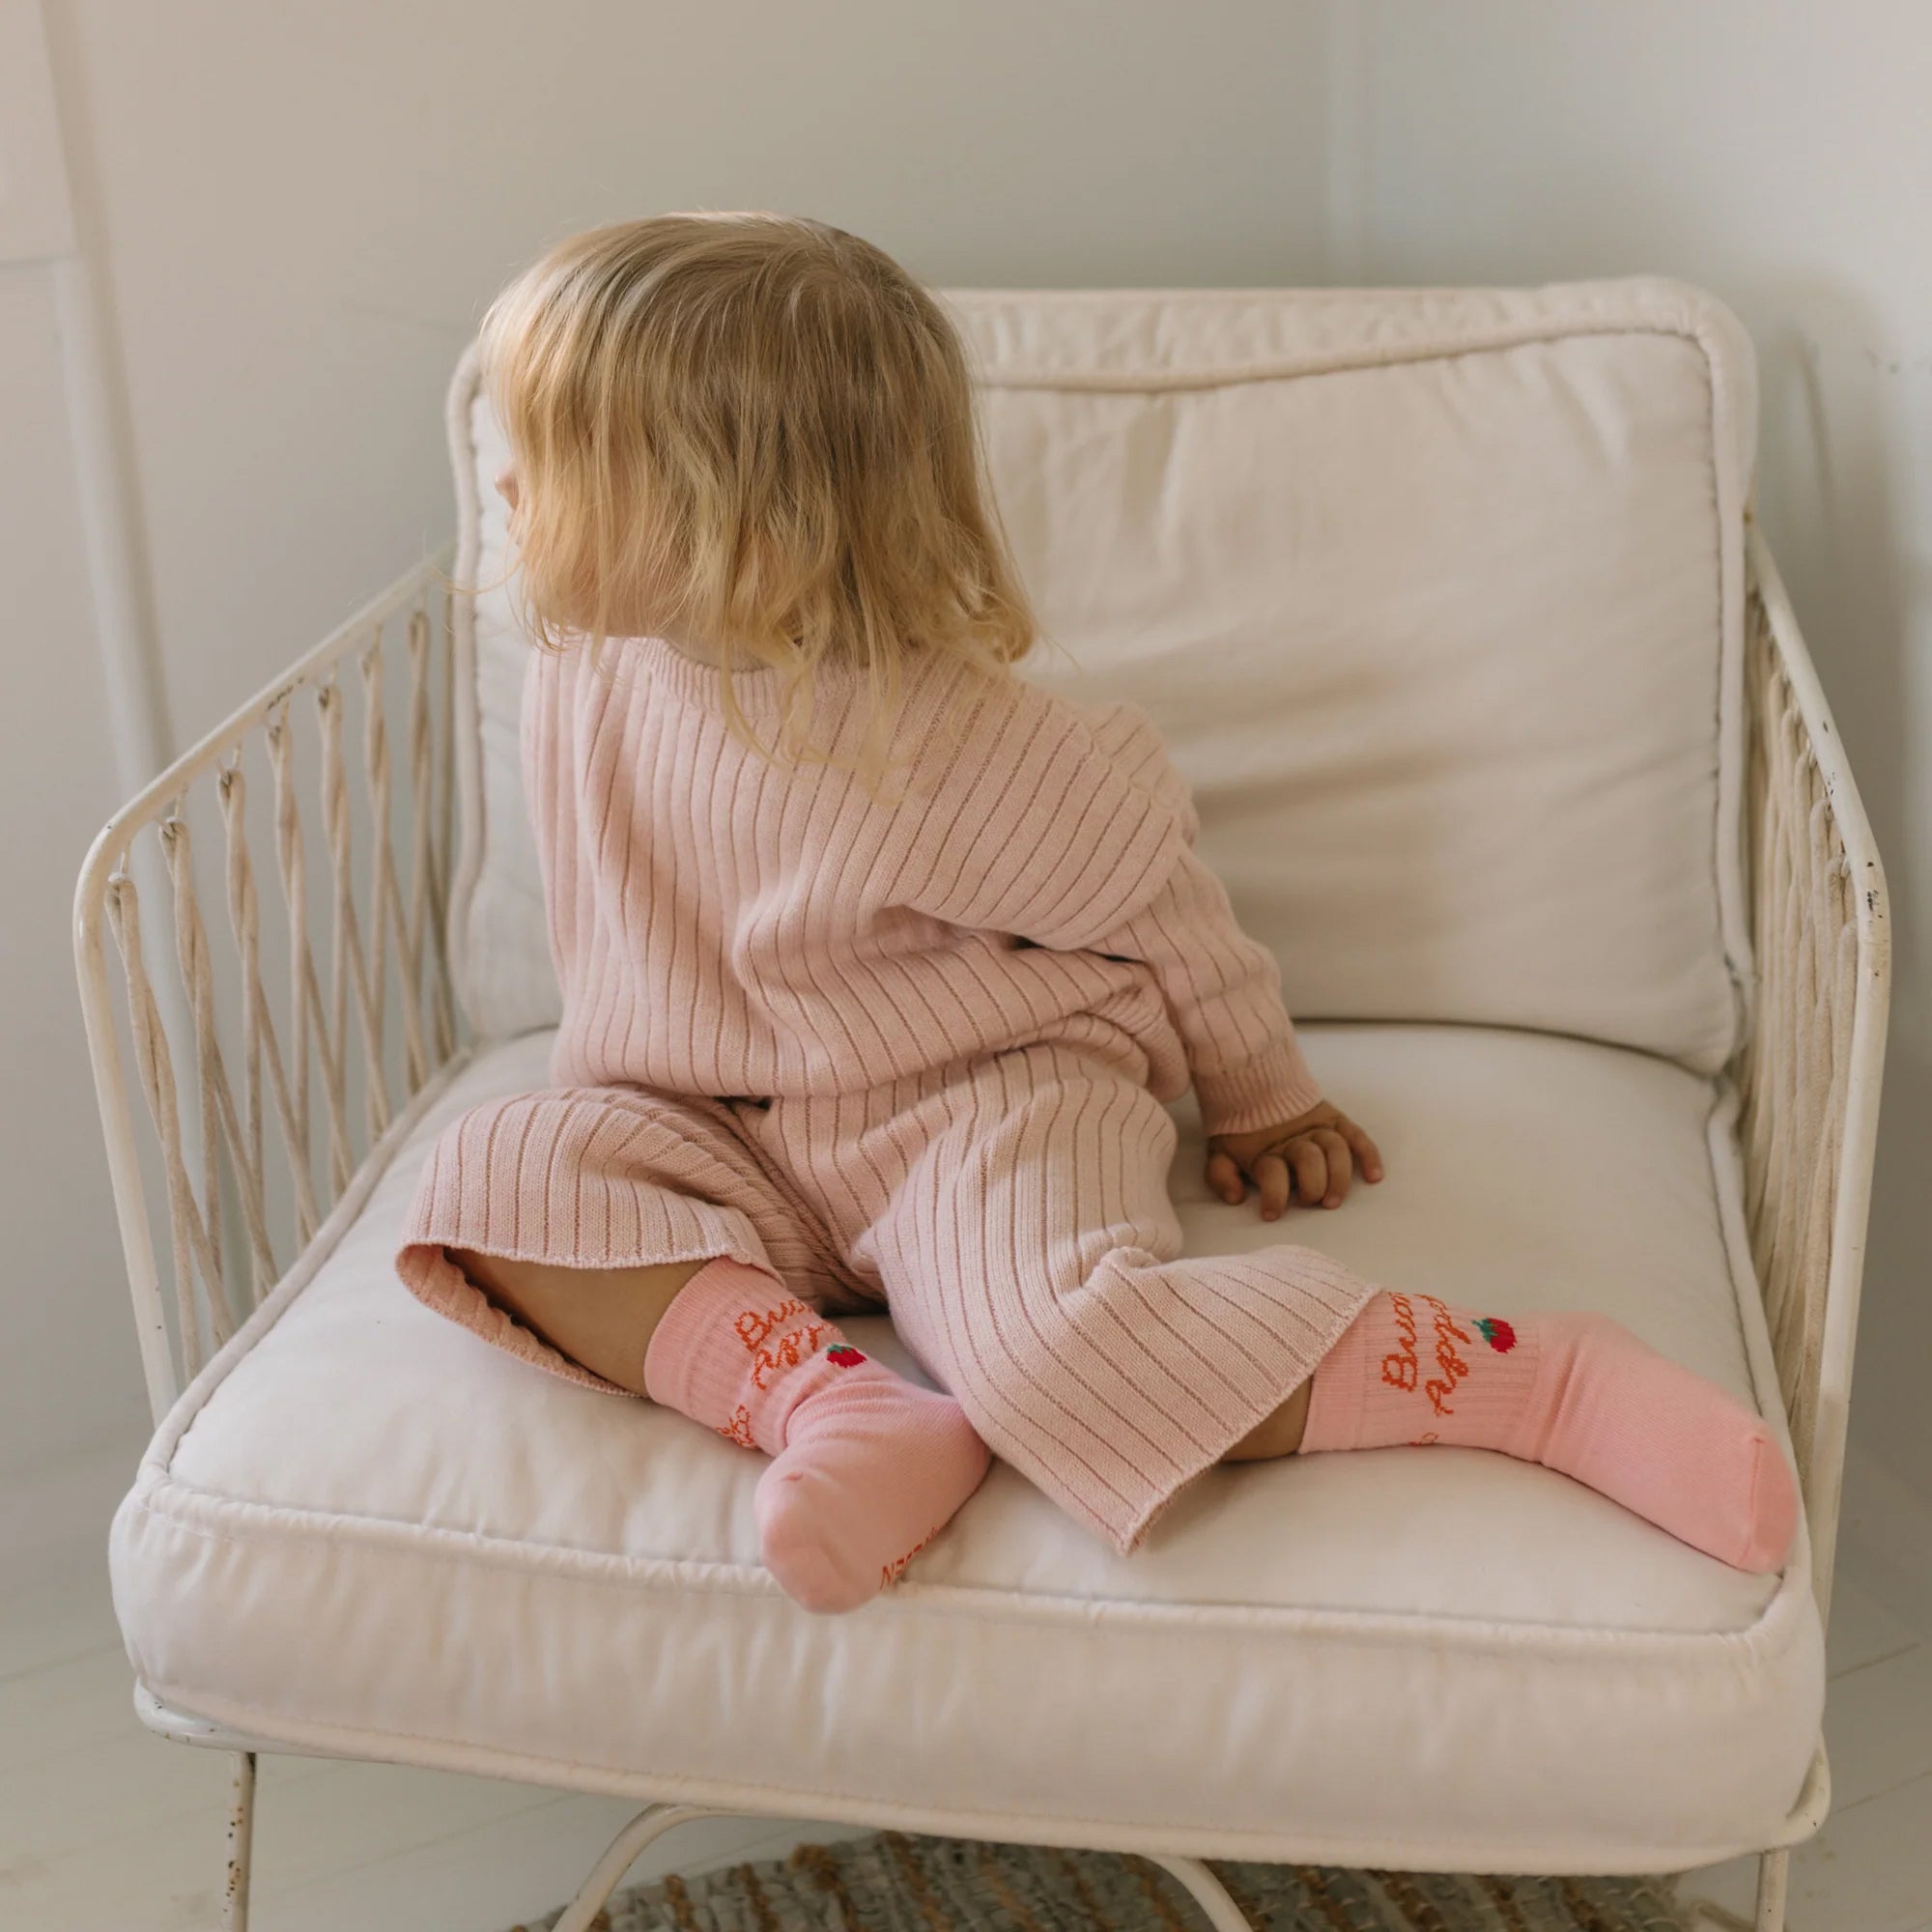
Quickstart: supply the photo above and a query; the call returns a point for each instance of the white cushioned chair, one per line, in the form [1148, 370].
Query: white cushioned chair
[1450, 606]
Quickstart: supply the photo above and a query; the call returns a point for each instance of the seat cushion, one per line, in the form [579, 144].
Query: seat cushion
[361, 1528]
[1435, 595]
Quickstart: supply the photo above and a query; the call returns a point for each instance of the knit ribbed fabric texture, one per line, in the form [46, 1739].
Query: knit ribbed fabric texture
[725, 926]
[905, 1051]
[737, 1350]
[1402, 1374]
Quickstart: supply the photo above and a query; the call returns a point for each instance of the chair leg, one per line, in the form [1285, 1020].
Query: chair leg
[1206, 1889]
[651, 1822]
[240, 1844]
[655, 1820]
[1774, 1878]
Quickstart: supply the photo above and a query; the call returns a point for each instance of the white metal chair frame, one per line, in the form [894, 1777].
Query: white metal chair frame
[242, 1202]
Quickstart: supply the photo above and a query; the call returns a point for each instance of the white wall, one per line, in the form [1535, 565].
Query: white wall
[1781, 155]
[65, 1369]
[305, 208]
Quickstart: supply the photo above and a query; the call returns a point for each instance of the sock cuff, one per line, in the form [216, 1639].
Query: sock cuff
[1487, 1399]
[695, 1347]
[1335, 1390]
[1415, 1368]
[730, 1349]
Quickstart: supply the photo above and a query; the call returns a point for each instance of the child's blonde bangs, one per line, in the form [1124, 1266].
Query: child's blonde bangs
[756, 431]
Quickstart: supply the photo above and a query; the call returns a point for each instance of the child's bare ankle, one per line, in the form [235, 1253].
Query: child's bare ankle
[1276, 1435]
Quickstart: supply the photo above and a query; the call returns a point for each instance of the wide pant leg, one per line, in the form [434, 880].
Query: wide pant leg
[1016, 1212]
[605, 1176]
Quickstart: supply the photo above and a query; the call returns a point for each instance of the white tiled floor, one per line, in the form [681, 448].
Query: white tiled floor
[106, 1828]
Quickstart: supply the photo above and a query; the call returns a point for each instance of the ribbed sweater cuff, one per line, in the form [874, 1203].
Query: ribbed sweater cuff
[1274, 1087]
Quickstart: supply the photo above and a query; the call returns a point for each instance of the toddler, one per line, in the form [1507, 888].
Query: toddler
[879, 963]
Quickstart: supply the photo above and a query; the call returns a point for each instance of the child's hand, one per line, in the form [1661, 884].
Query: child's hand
[1318, 1153]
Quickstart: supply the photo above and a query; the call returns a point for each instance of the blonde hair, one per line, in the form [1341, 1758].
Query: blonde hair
[760, 430]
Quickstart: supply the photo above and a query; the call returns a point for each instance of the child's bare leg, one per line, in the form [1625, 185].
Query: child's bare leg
[602, 1318]
[1278, 1434]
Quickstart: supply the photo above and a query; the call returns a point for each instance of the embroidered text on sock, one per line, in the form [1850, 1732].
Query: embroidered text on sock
[867, 1468]
[1577, 1393]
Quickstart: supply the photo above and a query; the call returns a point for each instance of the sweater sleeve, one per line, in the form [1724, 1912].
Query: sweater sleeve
[1034, 829]
[1222, 988]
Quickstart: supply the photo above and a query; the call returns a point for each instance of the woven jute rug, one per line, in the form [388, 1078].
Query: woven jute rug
[892, 1882]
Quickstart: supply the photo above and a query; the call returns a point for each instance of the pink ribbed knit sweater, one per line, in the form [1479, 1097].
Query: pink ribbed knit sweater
[723, 927]
[908, 1049]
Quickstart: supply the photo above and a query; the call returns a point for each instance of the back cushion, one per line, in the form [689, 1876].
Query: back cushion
[1435, 596]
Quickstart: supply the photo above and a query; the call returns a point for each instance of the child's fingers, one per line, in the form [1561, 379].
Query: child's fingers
[1270, 1171]
[1341, 1169]
[1224, 1177]
[1366, 1150]
[1311, 1167]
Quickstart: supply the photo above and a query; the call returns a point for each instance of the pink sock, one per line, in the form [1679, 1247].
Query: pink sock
[868, 1467]
[1577, 1393]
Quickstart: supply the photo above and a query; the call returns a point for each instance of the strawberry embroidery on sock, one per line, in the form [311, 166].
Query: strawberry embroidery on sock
[844, 1355]
[1496, 1332]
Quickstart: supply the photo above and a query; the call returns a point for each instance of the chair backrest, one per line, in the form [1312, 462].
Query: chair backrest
[1435, 594]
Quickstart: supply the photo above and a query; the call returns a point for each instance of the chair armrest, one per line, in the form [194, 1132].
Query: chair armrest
[1809, 1070]
[267, 1076]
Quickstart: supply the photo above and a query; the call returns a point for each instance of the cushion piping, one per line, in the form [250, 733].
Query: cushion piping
[1032, 1826]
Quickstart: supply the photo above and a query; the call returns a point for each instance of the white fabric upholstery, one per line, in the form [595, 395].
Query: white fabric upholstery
[1435, 596]
[361, 1528]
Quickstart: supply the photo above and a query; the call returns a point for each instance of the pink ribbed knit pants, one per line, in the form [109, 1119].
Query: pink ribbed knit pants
[1012, 1211]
